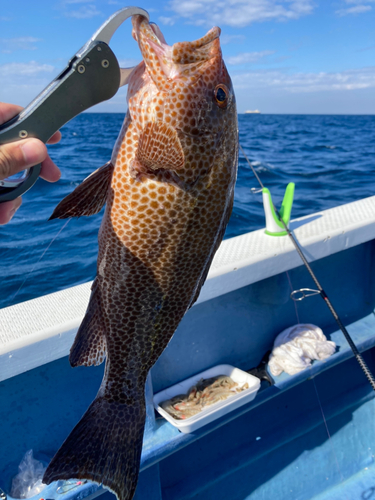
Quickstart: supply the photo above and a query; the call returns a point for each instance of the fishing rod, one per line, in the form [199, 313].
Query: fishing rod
[322, 293]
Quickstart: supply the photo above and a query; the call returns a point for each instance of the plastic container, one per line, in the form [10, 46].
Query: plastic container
[216, 410]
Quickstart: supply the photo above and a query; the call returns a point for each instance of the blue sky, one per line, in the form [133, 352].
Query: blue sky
[284, 56]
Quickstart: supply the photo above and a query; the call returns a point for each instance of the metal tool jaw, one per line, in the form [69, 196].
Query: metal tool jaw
[92, 76]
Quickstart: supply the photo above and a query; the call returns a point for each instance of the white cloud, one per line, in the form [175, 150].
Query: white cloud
[167, 21]
[248, 57]
[351, 79]
[359, 9]
[372, 47]
[239, 13]
[358, 1]
[129, 62]
[74, 9]
[225, 39]
[22, 70]
[85, 12]
[72, 2]
[9, 45]
[21, 82]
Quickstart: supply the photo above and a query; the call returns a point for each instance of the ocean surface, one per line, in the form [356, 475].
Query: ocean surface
[331, 159]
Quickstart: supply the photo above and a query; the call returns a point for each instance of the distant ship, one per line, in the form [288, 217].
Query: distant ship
[252, 111]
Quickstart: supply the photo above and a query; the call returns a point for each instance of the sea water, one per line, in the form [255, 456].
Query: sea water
[331, 159]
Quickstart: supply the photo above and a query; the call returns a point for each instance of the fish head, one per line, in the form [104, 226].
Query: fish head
[185, 86]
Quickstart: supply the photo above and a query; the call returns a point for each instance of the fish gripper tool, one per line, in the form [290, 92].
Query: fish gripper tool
[93, 75]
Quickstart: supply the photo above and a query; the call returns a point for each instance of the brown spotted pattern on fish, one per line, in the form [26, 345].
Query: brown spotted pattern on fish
[170, 198]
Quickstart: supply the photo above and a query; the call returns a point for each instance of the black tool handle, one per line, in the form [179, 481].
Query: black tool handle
[92, 76]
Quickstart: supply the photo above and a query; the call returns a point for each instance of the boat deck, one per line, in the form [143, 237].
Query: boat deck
[167, 439]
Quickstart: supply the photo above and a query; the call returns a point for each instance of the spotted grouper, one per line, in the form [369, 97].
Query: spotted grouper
[169, 194]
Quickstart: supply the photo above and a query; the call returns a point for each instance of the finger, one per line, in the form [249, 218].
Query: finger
[7, 111]
[55, 138]
[50, 172]
[8, 209]
[17, 156]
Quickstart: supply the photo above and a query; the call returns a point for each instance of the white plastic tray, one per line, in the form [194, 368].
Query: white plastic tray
[216, 410]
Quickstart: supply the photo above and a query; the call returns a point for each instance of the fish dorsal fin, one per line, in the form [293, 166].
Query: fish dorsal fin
[89, 197]
[159, 147]
[89, 347]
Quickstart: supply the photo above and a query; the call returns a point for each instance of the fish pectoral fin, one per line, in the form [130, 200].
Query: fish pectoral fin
[88, 198]
[159, 148]
[89, 346]
[105, 447]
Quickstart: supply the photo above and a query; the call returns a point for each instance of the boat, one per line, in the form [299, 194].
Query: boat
[307, 436]
[252, 112]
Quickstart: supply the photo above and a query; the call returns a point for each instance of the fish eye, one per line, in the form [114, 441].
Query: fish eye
[221, 94]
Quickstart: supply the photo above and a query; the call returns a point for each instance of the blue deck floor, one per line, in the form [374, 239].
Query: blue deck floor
[306, 435]
[275, 447]
[281, 448]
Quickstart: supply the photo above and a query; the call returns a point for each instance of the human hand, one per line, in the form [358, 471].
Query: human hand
[16, 156]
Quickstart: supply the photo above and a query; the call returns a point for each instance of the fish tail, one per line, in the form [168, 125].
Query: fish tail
[105, 447]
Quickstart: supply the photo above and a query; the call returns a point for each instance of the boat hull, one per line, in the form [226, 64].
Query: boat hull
[310, 436]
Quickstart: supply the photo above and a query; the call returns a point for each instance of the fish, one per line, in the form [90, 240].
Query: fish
[168, 192]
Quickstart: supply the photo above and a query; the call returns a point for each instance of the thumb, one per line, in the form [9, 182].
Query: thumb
[17, 156]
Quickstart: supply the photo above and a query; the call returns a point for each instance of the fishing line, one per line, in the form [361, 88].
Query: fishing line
[295, 303]
[37, 262]
[322, 293]
[252, 168]
[329, 435]
[319, 400]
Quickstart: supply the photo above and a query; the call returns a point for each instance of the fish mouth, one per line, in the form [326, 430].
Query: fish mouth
[180, 60]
